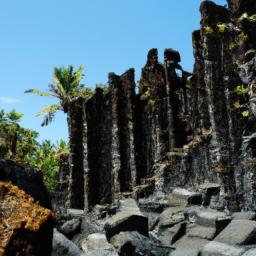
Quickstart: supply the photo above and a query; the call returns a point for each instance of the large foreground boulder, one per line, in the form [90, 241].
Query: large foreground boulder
[27, 179]
[25, 226]
[128, 218]
[126, 221]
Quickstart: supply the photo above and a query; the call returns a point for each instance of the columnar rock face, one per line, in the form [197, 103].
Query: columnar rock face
[180, 129]
[122, 89]
[75, 126]
[99, 128]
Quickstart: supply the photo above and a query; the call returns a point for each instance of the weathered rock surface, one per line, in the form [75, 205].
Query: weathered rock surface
[70, 227]
[238, 232]
[188, 246]
[27, 179]
[126, 221]
[97, 244]
[250, 252]
[220, 249]
[182, 140]
[171, 216]
[25, 226]
[63, 246]
[244, 215]
[133, 243]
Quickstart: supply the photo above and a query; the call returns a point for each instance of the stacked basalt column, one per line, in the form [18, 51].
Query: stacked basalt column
[122, 90]
[98, 165]
[76, 116]
[162, 111]
[151, 116]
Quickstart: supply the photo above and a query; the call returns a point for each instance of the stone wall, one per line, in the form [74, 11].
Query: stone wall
[187, 129]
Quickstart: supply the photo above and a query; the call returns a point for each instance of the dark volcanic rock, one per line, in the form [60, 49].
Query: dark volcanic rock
[126, 221]
[133, 243]
[238, 232]
[62, 246]
[27, 179]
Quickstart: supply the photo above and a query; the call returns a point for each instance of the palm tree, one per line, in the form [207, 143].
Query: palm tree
[67, 88]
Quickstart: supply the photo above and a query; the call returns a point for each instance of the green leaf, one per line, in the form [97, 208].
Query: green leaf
[237, 105]
[49, 109]
[245, 113]
[14, 116]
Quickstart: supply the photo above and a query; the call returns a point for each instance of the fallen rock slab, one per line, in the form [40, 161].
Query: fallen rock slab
[188, 246]
[126, 221]
[212, 218]
[97, 244]
[220, 249]
[238, 232]
[201, 232]
[133, 243]
[244, 215]
[63, 246]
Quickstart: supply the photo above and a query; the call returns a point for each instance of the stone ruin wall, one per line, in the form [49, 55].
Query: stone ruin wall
[183, 129]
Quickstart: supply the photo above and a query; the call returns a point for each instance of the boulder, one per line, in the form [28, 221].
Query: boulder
[133, 243]
[212, 218]
[62, 246]
[25, 226]
[126, 221]
[70, 227]
[184, 197]
[128, 205]
[244, 215]
[238, 232]
[220, 249]
[75, 212]
[171, 216]
[171, 235]
[201, 232]
[251, 252]
[208, 218]
[87, 227]
[187, 246]
[97, 244]
[209, 190]
[27, 179]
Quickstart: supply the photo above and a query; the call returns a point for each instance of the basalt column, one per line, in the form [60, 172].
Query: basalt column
[75, 125]
[151, 127]
[122, 90]
[177, 100]
[99, 165]
[217, 93]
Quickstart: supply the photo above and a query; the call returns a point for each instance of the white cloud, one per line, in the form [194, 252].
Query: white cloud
[8, 100]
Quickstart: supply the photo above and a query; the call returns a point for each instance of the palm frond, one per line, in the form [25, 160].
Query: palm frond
[59, 81]
[40, 93]
[49, 109]
[77, 77]
[49, 112]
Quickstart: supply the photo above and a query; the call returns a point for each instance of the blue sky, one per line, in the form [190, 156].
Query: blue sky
[102, 35]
